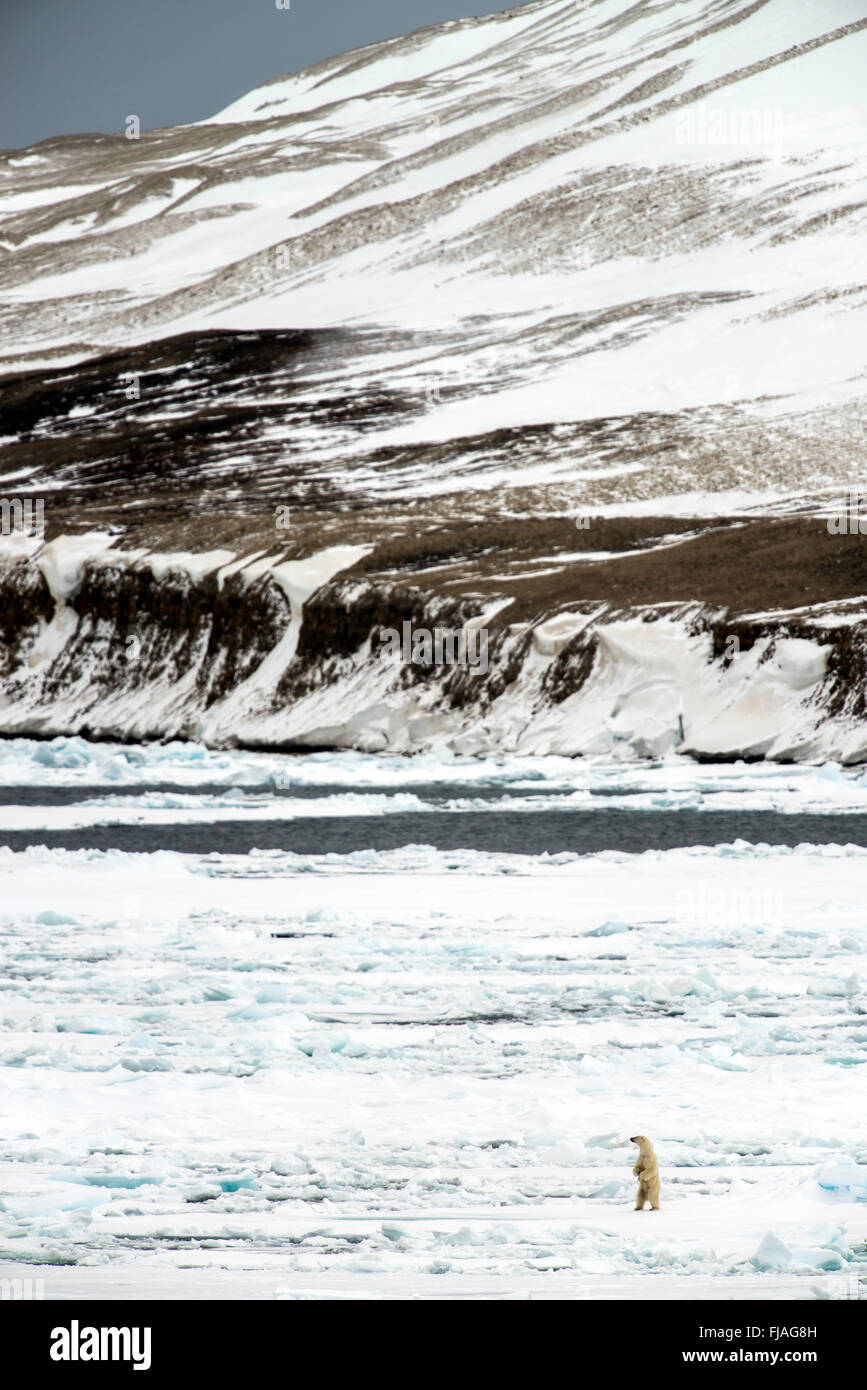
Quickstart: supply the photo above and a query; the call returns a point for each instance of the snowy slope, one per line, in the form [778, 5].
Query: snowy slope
[596, 260]
[539, 168]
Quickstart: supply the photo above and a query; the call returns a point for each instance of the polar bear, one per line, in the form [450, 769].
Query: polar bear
[646, 1170]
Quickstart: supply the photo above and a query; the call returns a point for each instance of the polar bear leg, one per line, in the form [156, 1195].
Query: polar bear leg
[641, 1197]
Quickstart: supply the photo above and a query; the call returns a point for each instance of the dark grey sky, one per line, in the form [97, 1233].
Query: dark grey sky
[84, 65]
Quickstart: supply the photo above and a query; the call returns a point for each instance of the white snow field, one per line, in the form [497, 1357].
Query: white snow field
[415, 1073]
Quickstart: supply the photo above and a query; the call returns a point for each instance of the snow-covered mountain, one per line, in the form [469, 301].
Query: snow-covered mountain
[551, 323]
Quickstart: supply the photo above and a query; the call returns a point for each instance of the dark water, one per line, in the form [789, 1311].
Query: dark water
[425, 791]
[514, 832]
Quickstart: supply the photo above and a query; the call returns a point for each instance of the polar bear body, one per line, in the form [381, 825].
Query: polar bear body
[646, 1170]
